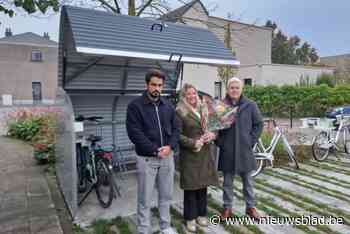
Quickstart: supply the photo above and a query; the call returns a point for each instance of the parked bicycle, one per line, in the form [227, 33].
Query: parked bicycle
[328, 139]
[95, 166]
[264, 154]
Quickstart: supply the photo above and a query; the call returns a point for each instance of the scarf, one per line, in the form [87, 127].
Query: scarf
[200, 111]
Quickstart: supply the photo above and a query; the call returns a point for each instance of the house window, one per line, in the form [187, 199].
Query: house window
[36, 91]
[36, 56]
[248, 81]
[217, 91]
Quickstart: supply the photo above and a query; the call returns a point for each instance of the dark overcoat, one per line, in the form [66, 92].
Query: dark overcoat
[236, 143]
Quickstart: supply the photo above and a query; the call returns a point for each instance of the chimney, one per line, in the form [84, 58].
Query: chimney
[46, 35]
[8, 32]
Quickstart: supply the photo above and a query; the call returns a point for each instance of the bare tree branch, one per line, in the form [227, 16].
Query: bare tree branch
[158, 9]
[109, 6]
[148, 3]
[162, 4]
[117, 6]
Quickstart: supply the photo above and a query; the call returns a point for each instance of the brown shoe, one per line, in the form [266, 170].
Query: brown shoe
[226, 213]
[251, 212]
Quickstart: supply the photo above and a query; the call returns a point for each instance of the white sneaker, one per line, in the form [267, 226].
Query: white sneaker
[202, 221]
[169, 230]
[191, 226]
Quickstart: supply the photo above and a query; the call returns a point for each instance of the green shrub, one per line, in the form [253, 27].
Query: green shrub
[36, 126]
[302, 101]
[44, 152]
[24, 129]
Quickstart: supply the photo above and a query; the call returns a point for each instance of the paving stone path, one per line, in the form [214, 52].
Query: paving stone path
[312, 190]
[26, 205]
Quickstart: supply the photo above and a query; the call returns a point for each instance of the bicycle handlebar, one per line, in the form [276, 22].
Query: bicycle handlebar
[81, 118]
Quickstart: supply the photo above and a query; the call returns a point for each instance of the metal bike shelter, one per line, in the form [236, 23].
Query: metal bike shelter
[103, 59]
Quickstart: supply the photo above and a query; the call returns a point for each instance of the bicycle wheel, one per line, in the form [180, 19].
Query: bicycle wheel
[259, 167]
[104, 185]
[81, 175]
[321, 147]
[347, 140]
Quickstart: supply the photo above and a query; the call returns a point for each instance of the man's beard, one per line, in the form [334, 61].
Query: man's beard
[155, 94]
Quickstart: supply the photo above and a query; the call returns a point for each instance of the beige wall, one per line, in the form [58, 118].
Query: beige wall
[203, 77]
[278, 74]
[18, 72]
[252, 44]
[251, 72]
[196, 12]
[341, 64]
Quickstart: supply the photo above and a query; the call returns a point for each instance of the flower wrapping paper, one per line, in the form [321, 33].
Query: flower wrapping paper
[220, 115]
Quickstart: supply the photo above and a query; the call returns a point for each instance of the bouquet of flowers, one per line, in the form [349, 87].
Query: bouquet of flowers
[220, 115]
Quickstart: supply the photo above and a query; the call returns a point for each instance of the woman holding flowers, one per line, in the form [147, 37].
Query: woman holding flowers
[197, 165]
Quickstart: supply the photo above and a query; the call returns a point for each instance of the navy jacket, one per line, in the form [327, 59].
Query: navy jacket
[143, 126]
[236, 143]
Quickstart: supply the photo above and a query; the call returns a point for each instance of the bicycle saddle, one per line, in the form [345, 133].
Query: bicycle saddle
[94, 139]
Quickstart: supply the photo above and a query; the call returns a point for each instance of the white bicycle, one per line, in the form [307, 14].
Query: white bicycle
[264, 154]
[328, 139]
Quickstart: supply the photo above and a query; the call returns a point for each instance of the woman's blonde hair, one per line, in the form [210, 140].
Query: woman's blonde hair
[183, 91]
[184, 107]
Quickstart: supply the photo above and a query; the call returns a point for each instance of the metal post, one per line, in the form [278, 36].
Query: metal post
[182, 74]
[291, 116]
[64, 69]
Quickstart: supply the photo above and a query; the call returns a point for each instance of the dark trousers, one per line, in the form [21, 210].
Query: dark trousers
[195, 203]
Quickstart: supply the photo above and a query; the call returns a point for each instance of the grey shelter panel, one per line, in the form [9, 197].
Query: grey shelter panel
[96, 106]
[122, 139]
[99, 32]
[103, 77]
[136, 77]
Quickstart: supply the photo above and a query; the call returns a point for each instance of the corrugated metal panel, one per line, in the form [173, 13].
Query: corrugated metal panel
[110, 76]
[101, 77]
[136, 78]
[102, 106]
[122, 139]
[95, 106]
[134, 34]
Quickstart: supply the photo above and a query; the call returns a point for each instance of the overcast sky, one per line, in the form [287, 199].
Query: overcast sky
[324, 24]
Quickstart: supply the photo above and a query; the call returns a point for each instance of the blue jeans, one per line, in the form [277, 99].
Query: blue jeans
[248, 193]
[154, 172]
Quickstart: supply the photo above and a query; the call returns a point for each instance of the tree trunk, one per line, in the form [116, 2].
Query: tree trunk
[131, 8]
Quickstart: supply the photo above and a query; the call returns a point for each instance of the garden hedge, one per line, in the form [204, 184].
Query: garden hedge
[275, 101]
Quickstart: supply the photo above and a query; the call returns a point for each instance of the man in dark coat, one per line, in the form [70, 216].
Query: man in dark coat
[151, 126]
[236, 144]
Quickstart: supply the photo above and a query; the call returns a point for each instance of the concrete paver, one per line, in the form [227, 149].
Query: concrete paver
[25, 200]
